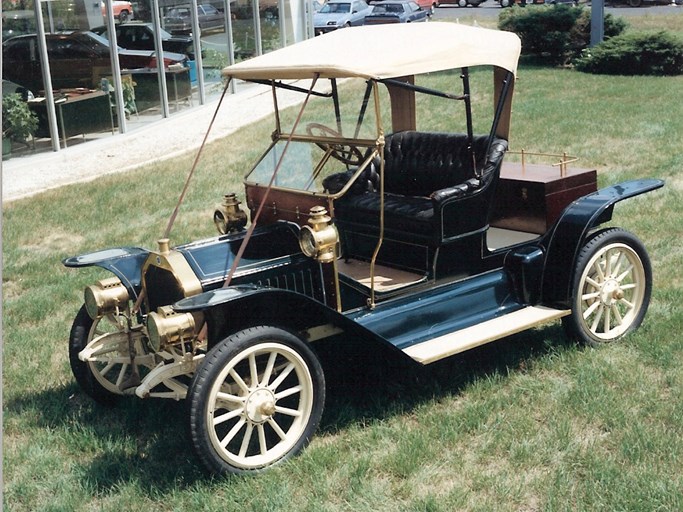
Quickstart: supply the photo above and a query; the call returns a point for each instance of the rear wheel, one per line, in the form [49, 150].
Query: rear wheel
[612, 287]
[255, 401]
[123, 16]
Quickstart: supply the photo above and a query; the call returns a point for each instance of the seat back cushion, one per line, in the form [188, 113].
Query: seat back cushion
[419, 163]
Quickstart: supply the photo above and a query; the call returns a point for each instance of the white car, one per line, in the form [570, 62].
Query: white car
[340, 14]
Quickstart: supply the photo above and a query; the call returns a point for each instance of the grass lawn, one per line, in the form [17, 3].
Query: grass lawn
[531, 422]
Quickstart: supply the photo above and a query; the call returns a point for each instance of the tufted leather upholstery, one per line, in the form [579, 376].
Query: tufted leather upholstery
[426, 177]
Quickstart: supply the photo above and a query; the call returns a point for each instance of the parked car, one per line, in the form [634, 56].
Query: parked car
[77, 59]
[340, 14]
[462, 3]
[374, 230]
[123, 10]
[427, 5]
[510, 3]
[178, 20]
[140, 36]
[396, 11]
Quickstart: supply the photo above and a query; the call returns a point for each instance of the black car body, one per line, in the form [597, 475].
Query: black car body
[140, 36]
[373, 231]
[77, 59]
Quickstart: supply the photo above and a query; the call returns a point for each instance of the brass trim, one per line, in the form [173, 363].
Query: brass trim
[562, 164]
[228, 216]
[174, 262]
[105, 296]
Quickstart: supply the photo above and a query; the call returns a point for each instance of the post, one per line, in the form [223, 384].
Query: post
[597, 22]
[115, 68]
[47, 80]
[161, 68]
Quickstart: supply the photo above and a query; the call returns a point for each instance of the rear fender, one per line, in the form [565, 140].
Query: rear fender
[124, 262]
[569, 234]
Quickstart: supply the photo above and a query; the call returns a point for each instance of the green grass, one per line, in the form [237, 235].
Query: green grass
[532, 422]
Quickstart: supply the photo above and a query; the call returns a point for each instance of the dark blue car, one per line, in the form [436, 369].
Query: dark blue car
[380, 227]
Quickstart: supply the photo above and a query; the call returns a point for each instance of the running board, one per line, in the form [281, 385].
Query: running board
[480, 334]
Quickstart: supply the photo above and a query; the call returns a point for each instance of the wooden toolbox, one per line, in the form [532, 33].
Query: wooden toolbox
[531, 197]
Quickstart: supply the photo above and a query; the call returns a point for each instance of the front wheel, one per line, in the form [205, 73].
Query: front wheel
[255, 401]
[612, 287]
[105, 375]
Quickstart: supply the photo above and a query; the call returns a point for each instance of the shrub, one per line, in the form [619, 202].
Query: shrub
[18, 122]
[636, 53]
[558, 33]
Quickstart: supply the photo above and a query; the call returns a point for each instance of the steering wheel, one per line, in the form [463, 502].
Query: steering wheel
[345, 153]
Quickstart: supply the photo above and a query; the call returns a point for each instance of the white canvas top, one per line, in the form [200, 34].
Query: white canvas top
[385, 51]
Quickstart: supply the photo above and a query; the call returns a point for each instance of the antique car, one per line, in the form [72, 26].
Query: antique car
[397, 11]
[369, 225]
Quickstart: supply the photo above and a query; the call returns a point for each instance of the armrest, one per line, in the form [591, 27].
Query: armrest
[441, 196]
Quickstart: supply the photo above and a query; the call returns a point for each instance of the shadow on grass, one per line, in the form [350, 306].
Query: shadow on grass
[146, 444]
[365, 386]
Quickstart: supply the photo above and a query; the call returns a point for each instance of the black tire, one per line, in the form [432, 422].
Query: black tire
[611, 288]
[282, 409]
[123, 16]
[81, 333]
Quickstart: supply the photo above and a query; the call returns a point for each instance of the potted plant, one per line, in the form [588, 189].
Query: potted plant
[18, 122]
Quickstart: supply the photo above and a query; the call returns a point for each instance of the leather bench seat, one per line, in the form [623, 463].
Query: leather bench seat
[424, 173]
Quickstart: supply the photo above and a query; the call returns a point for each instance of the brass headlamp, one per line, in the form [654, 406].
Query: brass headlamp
[104, 297]
[319, 240]
[167, 327]
[228, 217]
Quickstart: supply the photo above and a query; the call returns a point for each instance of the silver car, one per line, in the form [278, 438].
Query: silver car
[340, 14]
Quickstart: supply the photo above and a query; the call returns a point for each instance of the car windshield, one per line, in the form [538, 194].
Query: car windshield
[336, 8]
[327, 139]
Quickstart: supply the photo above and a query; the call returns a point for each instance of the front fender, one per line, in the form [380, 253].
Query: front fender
[569, 233]
[228, 310]
[238, 307]
[124, 262]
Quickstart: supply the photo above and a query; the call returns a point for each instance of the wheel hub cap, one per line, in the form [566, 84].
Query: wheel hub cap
[611, 292]
[260, 405]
